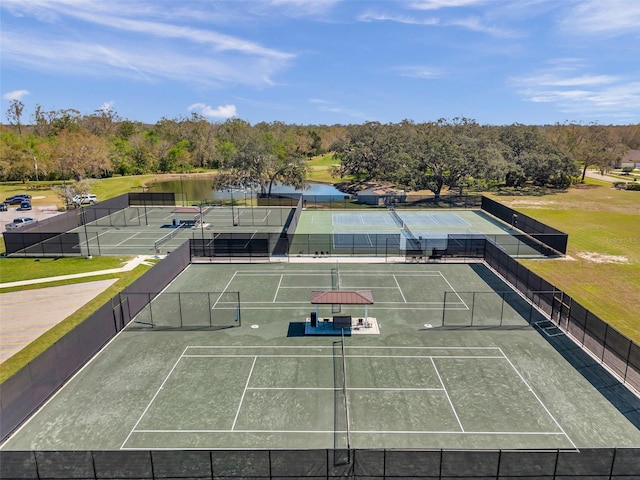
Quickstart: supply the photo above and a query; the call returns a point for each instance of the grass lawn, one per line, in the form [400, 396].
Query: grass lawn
[602, 267]
[16, 269]
[320, 169]
[35, 348]
[104, 188]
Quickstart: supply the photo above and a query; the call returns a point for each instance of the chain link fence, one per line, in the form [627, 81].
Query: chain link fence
[594, 463]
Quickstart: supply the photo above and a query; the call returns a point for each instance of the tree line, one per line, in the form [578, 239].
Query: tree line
[443, 154]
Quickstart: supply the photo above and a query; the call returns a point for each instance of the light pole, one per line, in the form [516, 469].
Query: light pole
[86, 234]
[144, 202]
[201, 221]
[64, 186]
[233, 215]
[182, 192]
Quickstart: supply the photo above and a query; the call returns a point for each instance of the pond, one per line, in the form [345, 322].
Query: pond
[197, 189]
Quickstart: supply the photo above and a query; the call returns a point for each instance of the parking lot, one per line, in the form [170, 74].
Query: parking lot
[38, 212]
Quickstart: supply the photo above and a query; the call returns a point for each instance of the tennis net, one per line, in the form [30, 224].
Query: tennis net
[396, 218]
[344, 391]
[412, 240]
[335, 278]
[161, 241]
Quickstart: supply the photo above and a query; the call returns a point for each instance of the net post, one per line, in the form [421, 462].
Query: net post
[238, 316]
[210, 309]
[473, 306]
[344, 390]
[444, 307]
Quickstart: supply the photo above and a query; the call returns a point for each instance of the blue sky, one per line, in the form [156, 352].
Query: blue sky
[326, 62]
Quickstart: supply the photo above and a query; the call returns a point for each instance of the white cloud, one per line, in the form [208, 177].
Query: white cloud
[121, 37]
[331, 107]
[222, 111]
[300, 8]
[133, 61]
[15, 95]
[419, 71]
[474, 24]
[583, 93]
[106, 107]
[372, 16]
[611, 17]
[438, 4]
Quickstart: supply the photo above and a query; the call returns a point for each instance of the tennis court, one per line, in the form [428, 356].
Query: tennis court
[428, 379]
[423, 230]
[150, 230]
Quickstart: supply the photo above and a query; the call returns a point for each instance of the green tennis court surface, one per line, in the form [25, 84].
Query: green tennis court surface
[153, 230]
[427, 380]
[140, 230]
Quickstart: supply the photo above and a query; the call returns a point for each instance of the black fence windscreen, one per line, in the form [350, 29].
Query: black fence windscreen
[30, 387]
[553, 238]
[600, 463]
[617, 352]
[159, 199]
[52, 232]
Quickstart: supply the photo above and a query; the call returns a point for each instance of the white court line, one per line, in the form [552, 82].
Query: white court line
[241, 355]
[454, 290]
[403, 297]
[275, 295]
[255, 359]
[396, 389]
[229, 282]
[453, 409]
[351, 287]
[321, 347]
[127, 239]
[539, 400]
[384, 273]
[378, 432]
[217, 300]
[153, 398]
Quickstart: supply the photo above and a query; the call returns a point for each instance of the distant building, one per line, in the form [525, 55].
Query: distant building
[381, 196]
[631, 159]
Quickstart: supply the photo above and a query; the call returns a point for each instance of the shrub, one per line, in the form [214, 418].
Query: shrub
[633, 186]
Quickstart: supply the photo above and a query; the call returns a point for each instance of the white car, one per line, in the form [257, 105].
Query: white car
[19, 222]
[85, 199]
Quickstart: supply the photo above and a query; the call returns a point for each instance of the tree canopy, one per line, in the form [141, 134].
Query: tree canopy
[437, 155]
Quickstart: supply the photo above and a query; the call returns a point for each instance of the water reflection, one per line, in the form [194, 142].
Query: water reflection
[188, 190]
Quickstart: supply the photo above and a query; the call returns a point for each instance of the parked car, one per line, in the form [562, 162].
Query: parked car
[19, 222]
[17, 199]
[25, 205]
[3, 207]
[85, 199]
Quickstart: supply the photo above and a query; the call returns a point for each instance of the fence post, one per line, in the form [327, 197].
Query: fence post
[210, 309]
[473, 306]
[604, 341]
[444, 307]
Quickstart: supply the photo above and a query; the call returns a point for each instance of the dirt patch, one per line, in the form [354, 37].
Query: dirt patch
[532, 203]
[602, 258]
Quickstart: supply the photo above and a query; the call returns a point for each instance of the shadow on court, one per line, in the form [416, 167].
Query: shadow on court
[617, 394]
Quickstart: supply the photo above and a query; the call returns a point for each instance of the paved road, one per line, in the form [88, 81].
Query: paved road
[607, 178]
[26, 315]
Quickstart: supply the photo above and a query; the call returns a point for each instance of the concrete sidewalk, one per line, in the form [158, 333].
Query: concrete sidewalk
[130, 265]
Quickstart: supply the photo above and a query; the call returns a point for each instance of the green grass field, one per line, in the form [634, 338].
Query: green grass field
[35, 348]
[602, 267]
[16, 269]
